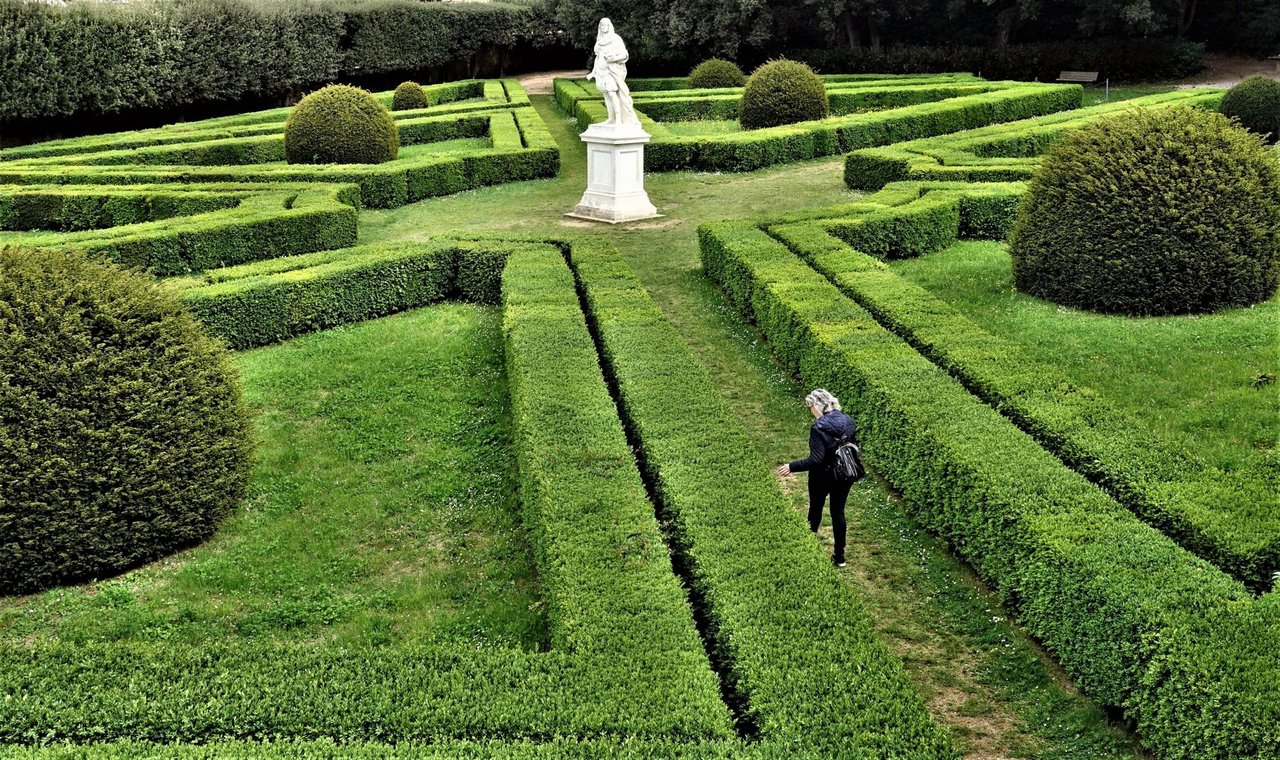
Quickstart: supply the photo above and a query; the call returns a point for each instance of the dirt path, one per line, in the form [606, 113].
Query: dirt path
[539, 83]
[1225, 71]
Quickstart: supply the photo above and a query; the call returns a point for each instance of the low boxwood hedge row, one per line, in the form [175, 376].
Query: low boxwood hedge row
[1111, 597]
[217, 151]
[66, 209]
[1226, 518]
[746, 151]
[180, 692]
[626, 659]
[193, 227]
[997, 153]
[844, 99]
[798, 647]
[495, 94]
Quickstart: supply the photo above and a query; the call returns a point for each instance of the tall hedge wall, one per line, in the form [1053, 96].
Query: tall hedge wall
[88, 58]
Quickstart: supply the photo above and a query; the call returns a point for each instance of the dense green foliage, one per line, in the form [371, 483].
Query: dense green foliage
[766, 586]
[91, 58]
[1152, 212]
[124, 437]
[250, 148]
[716, 72]
[1255, 103]
[782, 92]
[1220, 510]
[340, 125]
[1021, 38]
[998, 153]
[937, 105]
[1111, 597]
[352, 427]
[409, 96]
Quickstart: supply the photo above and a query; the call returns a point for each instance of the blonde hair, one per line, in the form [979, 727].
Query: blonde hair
[822, 400]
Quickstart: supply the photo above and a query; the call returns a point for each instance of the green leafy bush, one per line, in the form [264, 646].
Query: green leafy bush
[340, 124]
[1117, 602]
[1255, 103]
[716, 72]
[124, 437]
[783, 92]
[1163, 212]
[409, 96]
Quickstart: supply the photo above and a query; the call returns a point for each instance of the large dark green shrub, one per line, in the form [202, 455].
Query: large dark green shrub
[782, 92]
[408, 96]
[716, 72]
[1152, 212]
[1255, 103]
[123, 436]
[339, 124]
[89, 58]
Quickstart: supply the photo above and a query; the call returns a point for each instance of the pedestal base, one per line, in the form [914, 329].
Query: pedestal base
[615, 175]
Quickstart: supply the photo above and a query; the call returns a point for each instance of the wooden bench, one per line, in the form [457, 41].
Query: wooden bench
[1082, 77]
[1275, 58]
[1086, 77]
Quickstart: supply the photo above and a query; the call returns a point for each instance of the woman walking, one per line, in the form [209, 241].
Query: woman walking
[831, 428]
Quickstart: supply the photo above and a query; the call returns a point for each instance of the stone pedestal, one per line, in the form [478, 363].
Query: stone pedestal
[615, 175]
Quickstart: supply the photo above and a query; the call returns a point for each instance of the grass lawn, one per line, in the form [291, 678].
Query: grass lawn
[382, 508]
[1097, 94]
[1200, 381]
[703, 128]
[981, 675]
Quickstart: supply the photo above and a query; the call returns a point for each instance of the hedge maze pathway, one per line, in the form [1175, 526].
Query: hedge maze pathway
[690, 612]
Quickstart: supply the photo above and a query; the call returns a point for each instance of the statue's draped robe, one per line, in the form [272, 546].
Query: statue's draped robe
[611, 75]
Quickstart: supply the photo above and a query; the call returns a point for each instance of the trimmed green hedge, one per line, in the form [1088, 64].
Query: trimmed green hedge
[745, 151]
[997, 153]
[109, 58]
[340, 124]
[522, 148]
[1225, 518]
[1108, 595]
[182, 228]
[799, 647]
[626, 658]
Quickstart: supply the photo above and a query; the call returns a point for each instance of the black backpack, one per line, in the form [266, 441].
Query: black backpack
[847, 465]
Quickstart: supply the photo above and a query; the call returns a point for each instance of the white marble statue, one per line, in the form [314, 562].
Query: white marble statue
[610, 74]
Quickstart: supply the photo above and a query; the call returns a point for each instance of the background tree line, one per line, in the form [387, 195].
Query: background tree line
[680, 31]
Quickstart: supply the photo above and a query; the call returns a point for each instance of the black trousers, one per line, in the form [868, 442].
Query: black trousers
[822, 485]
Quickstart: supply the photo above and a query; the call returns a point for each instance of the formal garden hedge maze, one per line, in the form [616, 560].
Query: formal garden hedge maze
[1089, 526]
[683, 609]
[698, 129]
[481, 132]
[998, 153]
[624, 671]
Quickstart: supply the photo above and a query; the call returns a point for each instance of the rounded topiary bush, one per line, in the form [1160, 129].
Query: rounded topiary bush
[408, 96]
[1152, 212]
[716, 72]
[782, 92]
[1255, 103]
[123, 435]
[340, 125]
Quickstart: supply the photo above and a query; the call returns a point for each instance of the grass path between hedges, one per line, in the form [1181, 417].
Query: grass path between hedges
[382, 507]
[981, 675]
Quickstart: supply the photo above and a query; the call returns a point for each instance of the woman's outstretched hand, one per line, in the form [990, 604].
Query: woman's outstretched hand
[784, 470]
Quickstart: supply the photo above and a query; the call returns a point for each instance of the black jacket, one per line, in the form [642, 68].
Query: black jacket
[826, 435]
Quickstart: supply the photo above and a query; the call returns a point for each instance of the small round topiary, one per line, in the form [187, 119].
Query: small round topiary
[716, 72]
[1255, 103]
[1152, 212]
[123, 436]
[408, 96]
[782, 92]
[340, 125]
